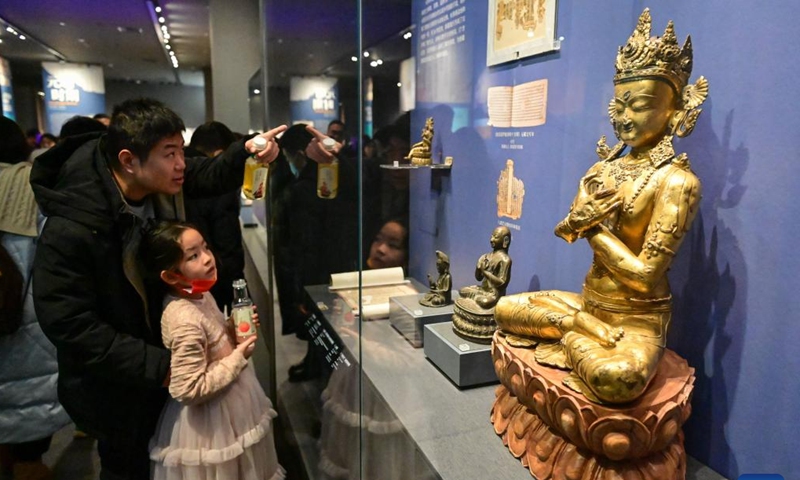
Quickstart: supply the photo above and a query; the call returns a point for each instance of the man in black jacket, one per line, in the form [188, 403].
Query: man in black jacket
[97, 191]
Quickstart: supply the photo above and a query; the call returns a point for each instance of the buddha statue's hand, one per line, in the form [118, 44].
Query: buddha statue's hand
[592, 205]
[591, 326]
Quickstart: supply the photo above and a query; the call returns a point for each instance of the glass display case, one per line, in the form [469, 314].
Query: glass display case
[466, 129]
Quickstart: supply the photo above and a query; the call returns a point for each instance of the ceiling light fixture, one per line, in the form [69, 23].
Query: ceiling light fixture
[256, 91]
[354, 58]
[162, 32]
[11, 28]
[366, 54]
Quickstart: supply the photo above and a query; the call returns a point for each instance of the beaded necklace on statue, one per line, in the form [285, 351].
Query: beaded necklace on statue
[621, 172]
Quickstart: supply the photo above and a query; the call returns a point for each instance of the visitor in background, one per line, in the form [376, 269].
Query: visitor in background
[29, 408]
[217, 218]
[79, 125]
[103, 118]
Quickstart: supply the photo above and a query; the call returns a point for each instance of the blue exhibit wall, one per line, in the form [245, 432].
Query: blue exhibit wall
[734, 281]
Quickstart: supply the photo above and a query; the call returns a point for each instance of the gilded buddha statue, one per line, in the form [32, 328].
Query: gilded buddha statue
[633, 207]
[420, 152]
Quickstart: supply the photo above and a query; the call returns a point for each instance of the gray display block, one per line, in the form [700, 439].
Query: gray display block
[466, 363]
[409, 318]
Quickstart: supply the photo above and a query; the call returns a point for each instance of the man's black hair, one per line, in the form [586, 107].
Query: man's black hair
[212, 136]
[336, 122]
[138, 125]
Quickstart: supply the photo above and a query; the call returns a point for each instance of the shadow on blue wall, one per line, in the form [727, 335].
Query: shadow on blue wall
[710, 281]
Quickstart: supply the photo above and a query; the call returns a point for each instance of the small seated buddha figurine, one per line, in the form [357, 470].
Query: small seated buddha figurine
[633, 207]
[473, 316]
[439, 295]
[420, 153]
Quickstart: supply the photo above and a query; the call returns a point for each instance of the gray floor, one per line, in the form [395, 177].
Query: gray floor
[71, 458]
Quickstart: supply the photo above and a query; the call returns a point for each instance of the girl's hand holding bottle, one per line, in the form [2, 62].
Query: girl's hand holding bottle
[247, 346]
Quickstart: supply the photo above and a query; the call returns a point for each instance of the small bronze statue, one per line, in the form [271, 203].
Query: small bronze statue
[420, 153]
[439, 296]
[473, 316]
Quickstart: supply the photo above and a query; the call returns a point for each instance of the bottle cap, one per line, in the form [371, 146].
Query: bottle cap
[328, 144]
[239, 283]
[260, 143]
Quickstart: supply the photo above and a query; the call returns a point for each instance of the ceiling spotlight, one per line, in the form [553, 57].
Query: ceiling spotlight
[62, 24]
[158, 9]
[163, 28]
[168, 46]
[354, 58]
[256, 91]
[373, 63]
[399, 84]
[22, 37]
[166, 36]
[379, 62]
[407, 35]
[1, 40]
[40, 93]
[171, 54]
[11, 30]
[161, 19]
[366, 54]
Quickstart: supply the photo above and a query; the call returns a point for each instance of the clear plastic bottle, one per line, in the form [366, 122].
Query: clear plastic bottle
[328, 174]
[254, 185]
[242, 311]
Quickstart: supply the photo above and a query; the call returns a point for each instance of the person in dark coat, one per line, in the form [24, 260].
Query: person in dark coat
[29, 408]
[218, 217]
[98, 191]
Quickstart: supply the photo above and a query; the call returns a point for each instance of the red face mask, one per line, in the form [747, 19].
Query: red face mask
[200, 286]
[197, 286]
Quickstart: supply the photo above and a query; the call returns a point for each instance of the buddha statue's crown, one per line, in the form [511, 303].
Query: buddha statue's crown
[653, 57]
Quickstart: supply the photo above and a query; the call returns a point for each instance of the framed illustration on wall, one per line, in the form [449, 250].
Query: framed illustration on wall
[519, 29]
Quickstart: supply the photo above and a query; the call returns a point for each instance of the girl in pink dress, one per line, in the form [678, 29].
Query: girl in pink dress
[218, 423]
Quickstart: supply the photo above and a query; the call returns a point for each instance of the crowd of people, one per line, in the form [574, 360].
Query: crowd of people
[122, 243]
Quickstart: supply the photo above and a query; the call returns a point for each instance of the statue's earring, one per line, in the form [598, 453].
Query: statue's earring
[688, 122]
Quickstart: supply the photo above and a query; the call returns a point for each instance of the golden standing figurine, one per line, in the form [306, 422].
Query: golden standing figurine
[420, 153]
[633, 208]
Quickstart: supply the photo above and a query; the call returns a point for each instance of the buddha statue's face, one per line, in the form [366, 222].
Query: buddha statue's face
[498, 238]
[641, 112]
